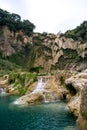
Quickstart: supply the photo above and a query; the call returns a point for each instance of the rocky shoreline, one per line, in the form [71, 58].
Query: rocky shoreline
[78, 103]
[68, 86]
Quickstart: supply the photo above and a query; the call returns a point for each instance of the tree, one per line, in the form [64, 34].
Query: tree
[79, 33]
[13, 21]
[28, 27]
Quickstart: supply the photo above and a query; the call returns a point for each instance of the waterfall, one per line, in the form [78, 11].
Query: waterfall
[2, 90]
[45, 98]
[83, 55]
[39, 89]
[40, 85]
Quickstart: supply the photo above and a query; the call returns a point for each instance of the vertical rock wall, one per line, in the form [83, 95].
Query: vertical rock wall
[82, 120]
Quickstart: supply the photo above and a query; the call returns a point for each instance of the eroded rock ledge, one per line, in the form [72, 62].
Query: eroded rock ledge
[82, 120]
[50, 92]
[78, 103]
[55, 89]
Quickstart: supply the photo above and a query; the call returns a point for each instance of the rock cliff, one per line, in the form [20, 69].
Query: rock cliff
[20, 50]
[48, 53]
[82, 120]
[46, 90]
[77, 85]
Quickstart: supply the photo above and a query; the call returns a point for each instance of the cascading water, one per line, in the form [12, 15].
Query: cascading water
[39, 89]
[83, 55]
[2, 90]
[40, 85]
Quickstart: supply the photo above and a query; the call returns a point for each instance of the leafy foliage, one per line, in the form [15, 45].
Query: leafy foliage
[21, 80]
[79, 33]
[84, 114]
[6, 67]
[14, 22]
[36, 69]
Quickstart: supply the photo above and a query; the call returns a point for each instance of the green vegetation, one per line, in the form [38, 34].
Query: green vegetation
[38, 39]
[79, 33]
[69, 59]
[70, 54]
[62, 80]
[14, 22]
[6, 67]
[84, 114]
[53, 67]
[36, 69]
[1, 32]
[21, 80]
[19, 60]
[26, 54]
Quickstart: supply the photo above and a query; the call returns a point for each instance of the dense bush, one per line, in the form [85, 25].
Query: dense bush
[14, 22]
[84, 114]
[21, 80]
[79, 33]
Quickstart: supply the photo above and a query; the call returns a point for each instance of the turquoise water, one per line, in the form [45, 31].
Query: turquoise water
[52, 116]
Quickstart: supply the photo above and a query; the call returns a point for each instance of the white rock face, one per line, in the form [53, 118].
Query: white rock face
[70, 44]
[78, 81]
[74, 105]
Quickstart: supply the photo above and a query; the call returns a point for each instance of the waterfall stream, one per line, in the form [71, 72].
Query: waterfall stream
[39, 89]
[83, 56]
[2, 90]
[40, 86]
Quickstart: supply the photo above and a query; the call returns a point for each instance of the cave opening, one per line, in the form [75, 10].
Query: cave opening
[71, 89]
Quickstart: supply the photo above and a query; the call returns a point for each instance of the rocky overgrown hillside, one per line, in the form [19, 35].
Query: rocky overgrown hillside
[23, 50]
[40, 52]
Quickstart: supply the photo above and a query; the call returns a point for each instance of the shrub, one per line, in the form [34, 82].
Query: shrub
[21, 80]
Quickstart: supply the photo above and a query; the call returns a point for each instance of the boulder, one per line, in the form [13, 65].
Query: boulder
[82, 120]
[78, 103]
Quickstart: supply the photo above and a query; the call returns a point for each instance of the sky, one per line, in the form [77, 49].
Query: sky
[51, 16]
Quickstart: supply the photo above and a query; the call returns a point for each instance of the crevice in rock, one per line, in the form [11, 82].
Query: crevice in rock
[71, 89]
[64, 96]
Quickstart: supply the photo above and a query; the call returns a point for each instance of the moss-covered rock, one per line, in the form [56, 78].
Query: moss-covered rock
[20, 82]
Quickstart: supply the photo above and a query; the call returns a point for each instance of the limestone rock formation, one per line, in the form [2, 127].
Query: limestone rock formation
[82, 120]
[77, 86]
[10, 41]
[4, 81]
[45, 91]
[31, 52]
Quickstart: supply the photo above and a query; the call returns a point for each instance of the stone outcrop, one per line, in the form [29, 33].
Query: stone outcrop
[4, 81]
[32, 98]
[74, 105]
[10, 41]
[78, 103]
[32, 52]
[55, 89]
[58, 52]
[82, 120]
[49, 93]
[82, 123]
